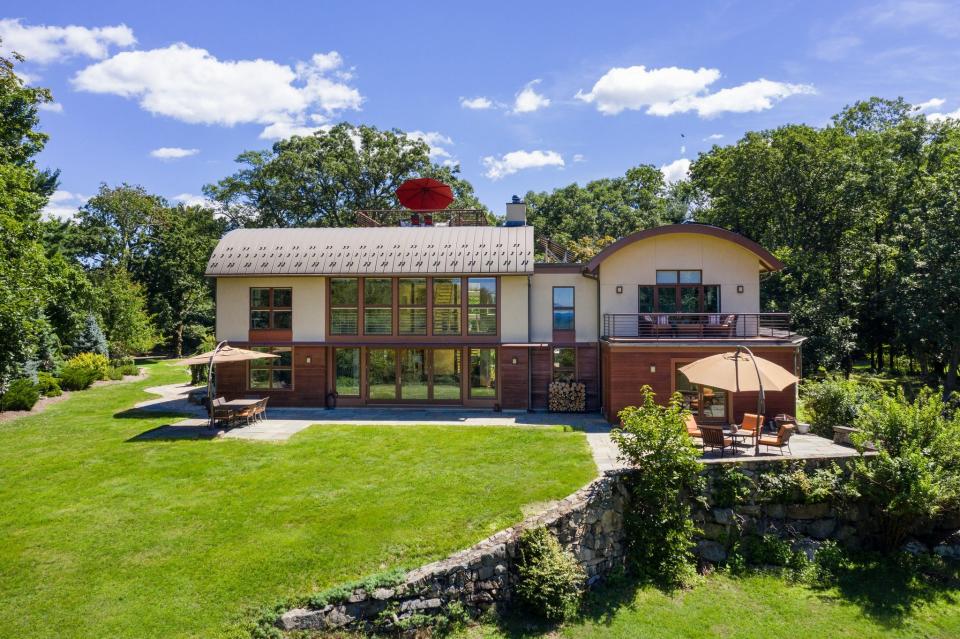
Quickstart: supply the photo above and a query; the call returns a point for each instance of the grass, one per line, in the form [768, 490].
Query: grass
[872, 602]
[105, 537]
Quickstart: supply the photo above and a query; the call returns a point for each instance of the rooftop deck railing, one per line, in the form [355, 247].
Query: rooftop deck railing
[403, 217]
[696, 326]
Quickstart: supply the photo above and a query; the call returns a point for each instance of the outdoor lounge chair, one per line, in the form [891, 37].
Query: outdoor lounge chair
[782, 439]
[693, 429]
[713, 439]
[719, 325]
[751, 426]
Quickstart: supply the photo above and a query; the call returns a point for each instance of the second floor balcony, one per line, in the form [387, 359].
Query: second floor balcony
[697, 326]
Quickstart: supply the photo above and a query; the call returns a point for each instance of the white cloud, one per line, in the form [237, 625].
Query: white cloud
[476, 103]
[676, 170]
[940, 117]
[579, 157]
[673, 90]
[713, 136]
[27, 78]
[52, 107]
[190, 199]
[44, 44]
[528, 100]
[932, 103]
[63, 205]
[172, 153]
[191, 85]
[510, 163]
[436, 141]
[287, 128]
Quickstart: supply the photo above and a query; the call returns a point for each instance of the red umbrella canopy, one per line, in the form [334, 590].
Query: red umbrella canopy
[424, 194]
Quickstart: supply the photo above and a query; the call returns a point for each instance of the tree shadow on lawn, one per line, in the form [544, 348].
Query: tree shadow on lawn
[889, 589]
[600, 607]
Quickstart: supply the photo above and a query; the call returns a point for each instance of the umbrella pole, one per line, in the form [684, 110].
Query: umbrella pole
[210, 385]
[760, 398]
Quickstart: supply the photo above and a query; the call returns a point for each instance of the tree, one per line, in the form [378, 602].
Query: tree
[180, 242]
[321, 179]
[113, 226]
[24, 190]
[90, 339]
[122, 304]
[583, 218]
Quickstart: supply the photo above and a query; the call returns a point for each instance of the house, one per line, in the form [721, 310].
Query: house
[440, 308]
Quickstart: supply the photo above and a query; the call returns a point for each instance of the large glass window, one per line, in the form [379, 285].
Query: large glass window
[482, 305]
[446, 373]
[564, 364]
[412, 299]
[483, 373]
[378, 306]
[382, 373]
[344, 305]
[645, 299]
[446, 306]
[679, 292]
[414, 383]
[563, 313]
[711, 299]
[271, 308]
[347, 371]
[707, 403]
[272, 373]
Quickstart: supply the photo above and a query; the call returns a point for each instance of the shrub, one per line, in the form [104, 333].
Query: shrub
[98, 364]
[115, 373]
[130, 369]
[84, 369]
[550, 582]
[654, 440]
[836, 402]
[729, 487]
[47, 385]
[21, 395]
[915, 476]
[798, 486]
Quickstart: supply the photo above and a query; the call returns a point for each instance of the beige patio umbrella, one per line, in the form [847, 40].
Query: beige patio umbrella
[740, 371]
[222, 354]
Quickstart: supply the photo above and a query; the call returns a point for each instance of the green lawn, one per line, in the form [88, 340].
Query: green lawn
[105, 537]
[874, 602]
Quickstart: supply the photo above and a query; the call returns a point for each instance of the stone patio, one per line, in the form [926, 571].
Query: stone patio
[283, 423]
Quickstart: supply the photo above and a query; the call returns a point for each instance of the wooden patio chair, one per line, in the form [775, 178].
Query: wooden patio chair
[221, 413]
[247, 413]
[713, 439]
[751, 426]
[781, 440]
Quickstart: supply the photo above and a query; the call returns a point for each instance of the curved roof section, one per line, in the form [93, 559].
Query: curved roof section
[767, 261]
[451, 250]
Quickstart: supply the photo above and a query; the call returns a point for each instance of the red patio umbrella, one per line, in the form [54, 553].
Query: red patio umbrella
[424, 194]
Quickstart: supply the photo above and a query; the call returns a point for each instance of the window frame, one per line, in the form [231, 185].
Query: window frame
[331, 306]
[676, 290]
[360, 371]
[427, 290]
[458, 306]
[572, 308]
[496, 373]
[271, 309]
[390, 307]
[269, 364]
[555, 369]
[484, 306]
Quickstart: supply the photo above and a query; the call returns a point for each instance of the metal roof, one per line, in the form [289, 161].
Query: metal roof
[359, 251]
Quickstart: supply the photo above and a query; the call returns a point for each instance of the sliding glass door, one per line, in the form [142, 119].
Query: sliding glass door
[416, 374]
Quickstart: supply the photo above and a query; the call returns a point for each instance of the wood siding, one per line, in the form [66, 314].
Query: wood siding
[309, 380]
[514, 382]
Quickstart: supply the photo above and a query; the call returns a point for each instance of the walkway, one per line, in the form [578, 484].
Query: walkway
[283, 423]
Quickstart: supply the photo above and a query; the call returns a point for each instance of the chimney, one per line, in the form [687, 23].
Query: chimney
[516, 212]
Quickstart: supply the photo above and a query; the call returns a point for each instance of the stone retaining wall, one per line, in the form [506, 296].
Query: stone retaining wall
[588, 523]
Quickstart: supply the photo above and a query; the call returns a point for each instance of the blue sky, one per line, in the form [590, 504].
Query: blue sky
[167, 94]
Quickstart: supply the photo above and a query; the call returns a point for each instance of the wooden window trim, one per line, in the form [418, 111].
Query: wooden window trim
[576, 362]
[269, 366]
[358, 306]
[496, 373]
[270, 308]
[425, 306]
[468, 306]
[459, 305]
[360, 376]
[563, 334]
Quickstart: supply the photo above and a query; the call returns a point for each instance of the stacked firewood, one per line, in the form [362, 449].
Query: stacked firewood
[568, 397]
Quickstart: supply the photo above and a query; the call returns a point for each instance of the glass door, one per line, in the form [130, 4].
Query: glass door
[446, 374]
[381, 374]
[414, 383]
[708, 404]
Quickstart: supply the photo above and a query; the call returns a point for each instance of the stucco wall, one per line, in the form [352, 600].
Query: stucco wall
[722, 262]
[233, 306]
[585, 304]
[513, 308]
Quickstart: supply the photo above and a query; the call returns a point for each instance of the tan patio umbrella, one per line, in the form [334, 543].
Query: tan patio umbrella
[740, 371]
[222, 354]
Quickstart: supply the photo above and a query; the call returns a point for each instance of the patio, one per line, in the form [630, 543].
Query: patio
[807, 446]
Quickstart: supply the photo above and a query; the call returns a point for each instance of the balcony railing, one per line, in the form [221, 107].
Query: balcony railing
[697, 326]
[403, 217]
